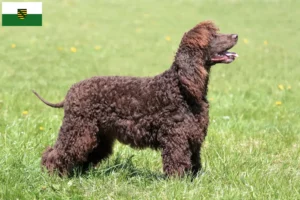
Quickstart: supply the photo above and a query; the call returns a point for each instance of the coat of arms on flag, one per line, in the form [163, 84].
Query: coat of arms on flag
[21, 13]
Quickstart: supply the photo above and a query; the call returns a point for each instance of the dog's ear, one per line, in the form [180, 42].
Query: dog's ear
[193, 81]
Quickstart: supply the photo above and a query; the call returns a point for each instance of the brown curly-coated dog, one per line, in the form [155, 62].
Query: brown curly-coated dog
[167, 112]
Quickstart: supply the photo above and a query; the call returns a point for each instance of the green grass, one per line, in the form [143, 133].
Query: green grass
[252, 148]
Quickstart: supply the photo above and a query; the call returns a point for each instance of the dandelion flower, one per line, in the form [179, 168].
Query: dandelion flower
[13, 46]
[73, 49]
[168, 38]
[289, 87]
[41, 128]
[265, 42]
[246, 41]
[25, 112]
[281, 87]
[97, 47]
[278, 103]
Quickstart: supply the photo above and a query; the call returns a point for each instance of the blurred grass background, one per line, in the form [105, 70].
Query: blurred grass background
[252, 148]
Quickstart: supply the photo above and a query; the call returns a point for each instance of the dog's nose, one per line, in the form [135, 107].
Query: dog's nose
[234, 36]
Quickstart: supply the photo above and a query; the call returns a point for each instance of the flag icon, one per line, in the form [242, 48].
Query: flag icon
[21, 13]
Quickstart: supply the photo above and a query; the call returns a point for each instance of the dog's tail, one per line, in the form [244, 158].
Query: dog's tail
[53, 105]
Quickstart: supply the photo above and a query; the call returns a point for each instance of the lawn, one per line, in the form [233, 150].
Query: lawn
[253, 144]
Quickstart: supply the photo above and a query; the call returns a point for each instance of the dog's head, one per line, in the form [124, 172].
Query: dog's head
[53, 162]
[204, 40]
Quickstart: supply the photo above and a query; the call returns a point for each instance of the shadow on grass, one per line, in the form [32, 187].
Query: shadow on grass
[127, 169]
[120, 165]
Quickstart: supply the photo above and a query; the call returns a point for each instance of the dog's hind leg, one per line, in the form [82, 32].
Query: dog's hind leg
[77, 139]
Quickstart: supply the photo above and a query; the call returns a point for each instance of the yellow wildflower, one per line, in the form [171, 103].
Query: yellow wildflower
[168, 38]
[278, 103]
[97, 47]
[73, 49]
[265, 42]
[246, 41]
[289, 87]
[41, 128]
[13, 46]
[25, 112]
[281, 87]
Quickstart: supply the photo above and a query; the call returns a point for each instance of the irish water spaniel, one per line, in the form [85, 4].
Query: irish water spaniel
[168, 112]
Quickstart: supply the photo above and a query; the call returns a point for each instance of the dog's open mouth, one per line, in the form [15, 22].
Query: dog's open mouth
[224, 57]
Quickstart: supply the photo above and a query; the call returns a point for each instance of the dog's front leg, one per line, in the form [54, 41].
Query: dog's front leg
[176, 153]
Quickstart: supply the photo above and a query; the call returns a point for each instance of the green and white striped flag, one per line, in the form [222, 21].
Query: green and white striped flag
[21, 13]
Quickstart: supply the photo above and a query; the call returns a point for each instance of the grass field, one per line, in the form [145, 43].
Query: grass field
[253, 144]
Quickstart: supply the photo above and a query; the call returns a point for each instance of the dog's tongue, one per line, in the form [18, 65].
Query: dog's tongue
[224, 57]
[231, 54]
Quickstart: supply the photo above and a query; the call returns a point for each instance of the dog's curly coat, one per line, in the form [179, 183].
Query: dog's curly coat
[167, 112]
